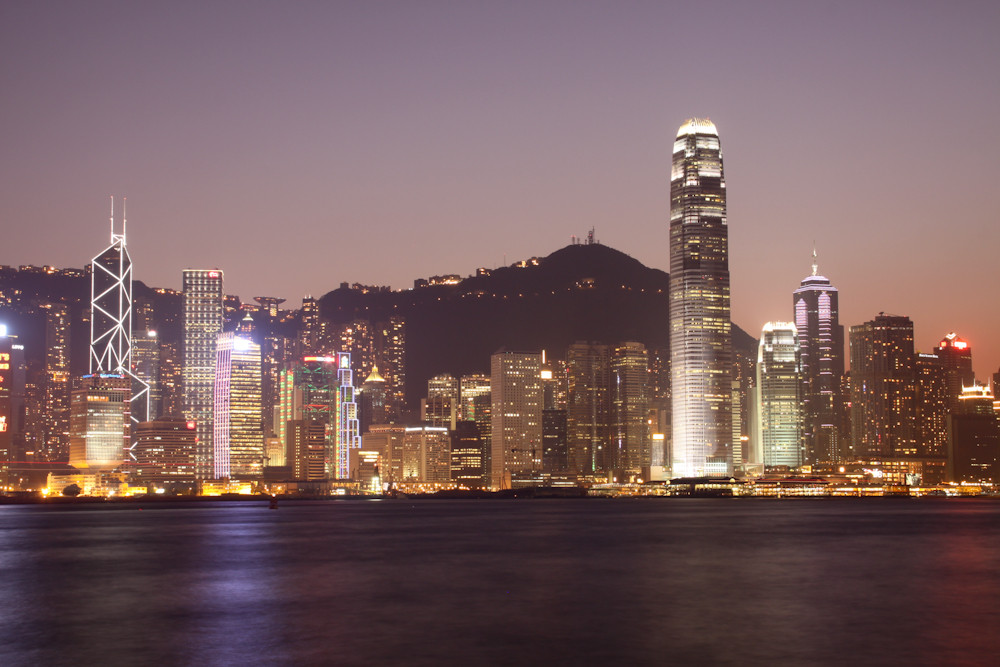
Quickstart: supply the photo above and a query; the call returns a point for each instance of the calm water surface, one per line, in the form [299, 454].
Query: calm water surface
[646, 581]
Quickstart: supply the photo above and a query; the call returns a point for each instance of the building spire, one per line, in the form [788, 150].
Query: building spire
[112, 218]
[815, 263]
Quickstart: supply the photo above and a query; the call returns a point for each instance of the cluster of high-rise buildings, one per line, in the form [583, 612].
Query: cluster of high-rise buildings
[323, 403]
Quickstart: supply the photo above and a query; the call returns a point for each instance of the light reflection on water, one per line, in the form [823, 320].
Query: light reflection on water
[647, 581]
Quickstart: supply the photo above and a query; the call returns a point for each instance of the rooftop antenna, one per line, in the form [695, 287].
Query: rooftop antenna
[124, 221]
[112, 218]
[815, 264]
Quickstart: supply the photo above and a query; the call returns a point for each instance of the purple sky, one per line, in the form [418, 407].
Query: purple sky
[298, 145]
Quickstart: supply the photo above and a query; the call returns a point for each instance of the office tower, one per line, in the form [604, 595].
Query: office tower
[111, 319]
[387, 440]
[238, 437]
[588, 417]
[320, 388]
[974, 438]
[932, 405]
[555, 458]
[6, 405]
[441, 407]
[268, 307]
[779, 394]
[516, 423]
[275, 352]
[164, 451]
[883, 410]
[630, 403]
[309, 327]
[371, 402]
[202, 326]
[98, 438]
[700, 336]
[392, 358]
[468, 455]
[307, 447]
[55, 409]
[956, 358]
[171, 379]
[426, 454]
[146, 367]
[365, 470]
[821, 345]
[471, 387]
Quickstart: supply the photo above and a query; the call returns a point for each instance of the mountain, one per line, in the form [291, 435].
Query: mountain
[583, 292]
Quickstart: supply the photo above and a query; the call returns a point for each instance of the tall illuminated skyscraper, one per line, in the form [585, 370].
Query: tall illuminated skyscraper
[516, 391]
[821, 344]
[111, 319]
[238, 437]
[883, 388]
[588, 421]
[700, 328]
[630, 407]
[779, 405]
[202, 326]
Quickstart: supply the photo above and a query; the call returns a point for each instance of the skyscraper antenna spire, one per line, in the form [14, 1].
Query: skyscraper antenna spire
[124, 220]
[815, 263]
[112, 218]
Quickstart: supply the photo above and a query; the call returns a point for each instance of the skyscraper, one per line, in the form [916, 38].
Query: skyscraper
[238, 437]
[202, 326]
[700, 328]
[630, 402]
[956, 359]
[98, 418]
[111, 319]
[821, 345]
[588, 421]
[516, 391]
[883, 387]
[779, 407]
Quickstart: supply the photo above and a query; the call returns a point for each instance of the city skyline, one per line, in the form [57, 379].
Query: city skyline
[366, 127]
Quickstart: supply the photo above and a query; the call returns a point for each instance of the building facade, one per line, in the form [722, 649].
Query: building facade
[700, 327]
[238, 436]
[516, 419]
[779, 394]
[202, 324]
[821, 346]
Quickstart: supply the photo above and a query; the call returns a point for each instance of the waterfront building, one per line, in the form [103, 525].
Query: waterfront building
[974, 438]
[883, 401]
[588, 419]
[164, 450]
[630, 446]
[111, 319]
[700, 327]
[779, 392]
[932, 405]
[387, 440]
[821, 348]
[202, 324]
[238, 438]
[98, 422]
[426, 454]
[516, 416]
[320, 388]
[54, 410]
[308, 446]
[468, 455]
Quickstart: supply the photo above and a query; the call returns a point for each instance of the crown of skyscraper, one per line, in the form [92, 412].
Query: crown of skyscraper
[697, 126]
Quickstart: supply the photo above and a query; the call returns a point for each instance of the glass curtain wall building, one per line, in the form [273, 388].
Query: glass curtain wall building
[700, 328]
[202, 326]
[779, 408]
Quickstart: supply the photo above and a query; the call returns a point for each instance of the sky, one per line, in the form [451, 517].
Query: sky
[298, 145]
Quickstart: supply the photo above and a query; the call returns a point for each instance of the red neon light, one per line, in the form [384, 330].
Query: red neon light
[213, 274]
[325, 360]
[190, 426]
[960, 345]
